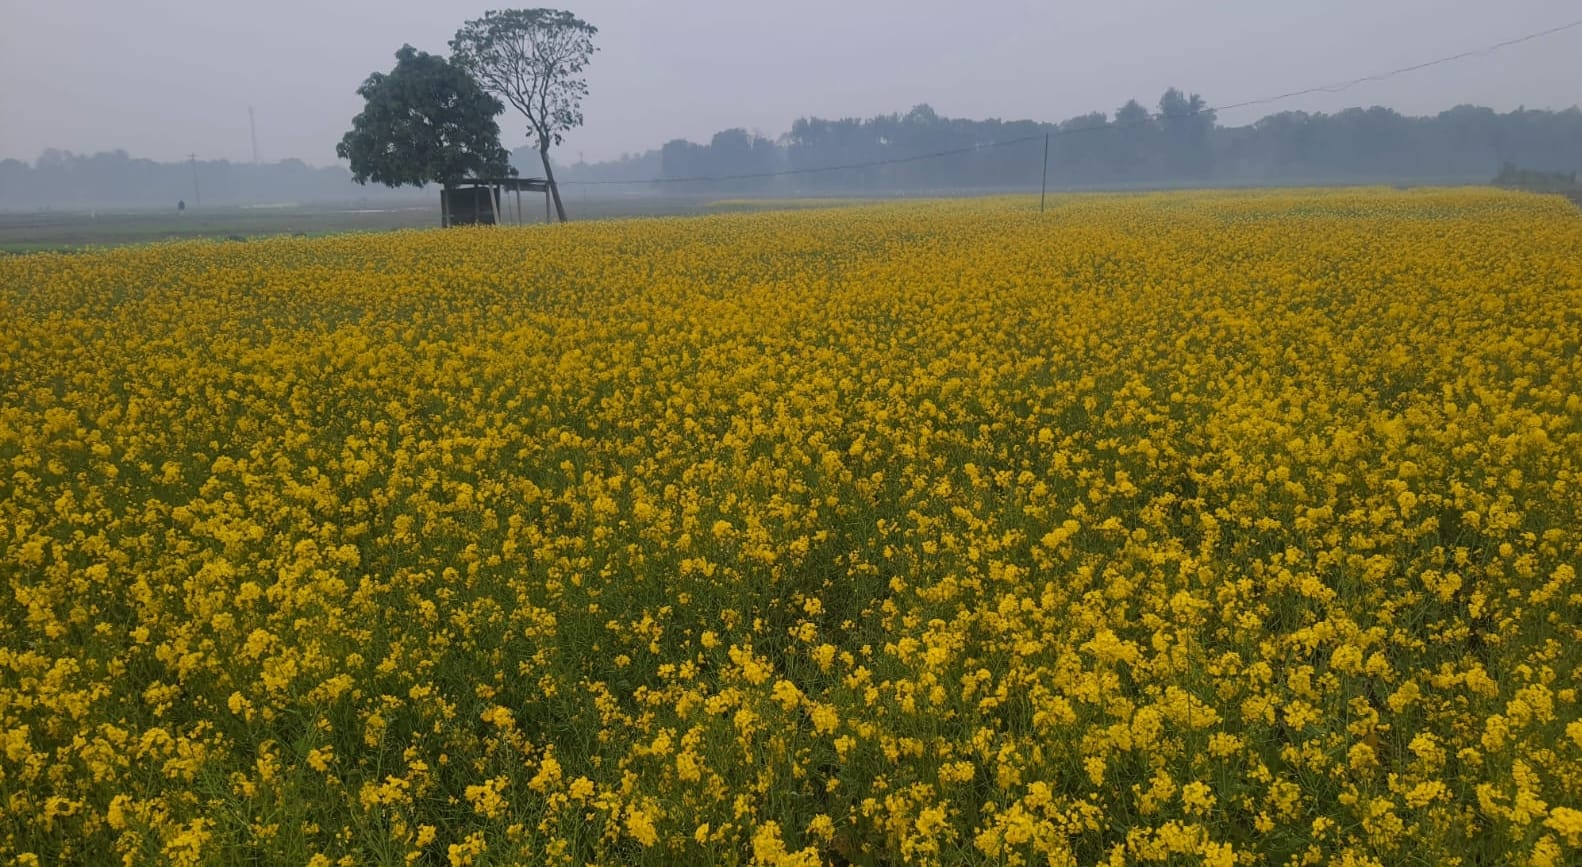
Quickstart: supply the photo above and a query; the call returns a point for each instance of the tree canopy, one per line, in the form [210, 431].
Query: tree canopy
[426, 121]
[1180, 144]
[533, 59]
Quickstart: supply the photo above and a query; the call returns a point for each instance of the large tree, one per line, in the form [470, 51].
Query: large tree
[533, 59]
[1186, 123]
[426, 121]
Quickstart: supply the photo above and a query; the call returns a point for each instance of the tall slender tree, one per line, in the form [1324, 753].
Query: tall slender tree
[533, 59]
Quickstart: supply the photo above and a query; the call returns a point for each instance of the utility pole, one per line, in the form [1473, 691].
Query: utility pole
[252, 130]
[1043, 186]
[197, 197]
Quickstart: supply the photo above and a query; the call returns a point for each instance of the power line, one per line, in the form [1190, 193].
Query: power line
[809, 171]
[1335, 87]
[1339, 86]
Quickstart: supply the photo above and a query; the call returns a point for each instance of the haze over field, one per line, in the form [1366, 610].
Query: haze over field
[165, 78]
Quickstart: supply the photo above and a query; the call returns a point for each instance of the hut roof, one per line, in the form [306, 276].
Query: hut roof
[526, 185]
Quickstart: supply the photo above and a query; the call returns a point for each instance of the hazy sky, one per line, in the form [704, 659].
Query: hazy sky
[162, 78]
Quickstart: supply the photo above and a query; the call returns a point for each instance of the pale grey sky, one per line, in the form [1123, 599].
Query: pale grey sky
[162, 78]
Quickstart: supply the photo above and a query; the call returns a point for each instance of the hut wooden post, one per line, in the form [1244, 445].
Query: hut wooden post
[498, 210]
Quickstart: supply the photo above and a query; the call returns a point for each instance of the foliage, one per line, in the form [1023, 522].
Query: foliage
[426, 121]
[1463, 145]
[63, 180]
[533, 59]
[1179, 144]
[731, 154]
[1211, 528]
[1512, 177]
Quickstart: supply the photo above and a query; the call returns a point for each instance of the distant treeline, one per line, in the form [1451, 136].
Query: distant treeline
[1178, 144]
[63, 180]
[1519, 178]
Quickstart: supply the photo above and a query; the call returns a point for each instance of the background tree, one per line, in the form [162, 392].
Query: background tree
[1374, 145]
[533, 59]
[1185, 124]
[729, 156]
[1132, 151]
[427, 121]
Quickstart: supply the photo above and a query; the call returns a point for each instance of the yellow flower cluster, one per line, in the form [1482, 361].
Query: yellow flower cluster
[1220, 528]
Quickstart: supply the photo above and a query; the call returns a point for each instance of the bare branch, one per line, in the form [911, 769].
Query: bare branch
[531, 59]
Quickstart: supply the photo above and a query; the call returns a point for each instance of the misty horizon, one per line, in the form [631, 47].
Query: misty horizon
[921, 152]
[186, 74]
[559, 158]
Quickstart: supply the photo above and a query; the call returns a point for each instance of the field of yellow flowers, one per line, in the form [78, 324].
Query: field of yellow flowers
[1210, 528]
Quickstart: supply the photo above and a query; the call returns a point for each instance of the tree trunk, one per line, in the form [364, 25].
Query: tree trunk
[554, 189]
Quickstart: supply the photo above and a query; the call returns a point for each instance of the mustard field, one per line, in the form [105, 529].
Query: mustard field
[1208, 528]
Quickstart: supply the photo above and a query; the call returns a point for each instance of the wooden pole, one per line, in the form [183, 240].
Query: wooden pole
[1043, 186]
[546, 205]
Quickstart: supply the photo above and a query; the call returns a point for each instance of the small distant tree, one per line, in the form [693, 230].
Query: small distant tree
[1133, 151]
[533, 59]
[1186, 122]
[426, 121]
